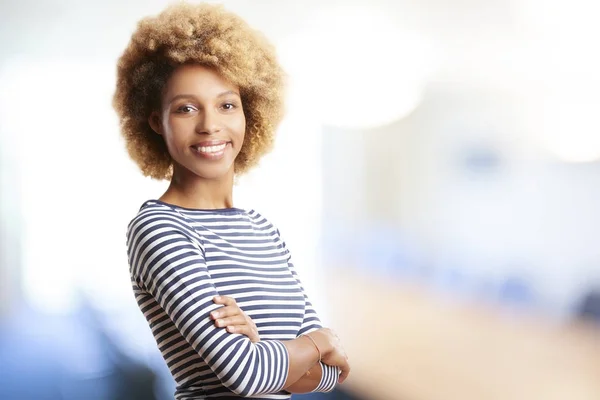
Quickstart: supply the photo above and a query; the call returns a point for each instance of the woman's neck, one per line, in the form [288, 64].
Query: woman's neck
[191, 191]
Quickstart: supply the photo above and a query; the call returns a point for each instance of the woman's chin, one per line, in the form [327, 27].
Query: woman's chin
[195, 169]
[216, 172]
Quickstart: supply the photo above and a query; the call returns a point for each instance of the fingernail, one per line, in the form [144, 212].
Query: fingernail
[215, 314]
[217, 298]
[219, 322]
[231, 329]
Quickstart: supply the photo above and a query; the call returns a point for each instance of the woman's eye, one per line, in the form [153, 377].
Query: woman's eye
[185, 109]
[228, 106]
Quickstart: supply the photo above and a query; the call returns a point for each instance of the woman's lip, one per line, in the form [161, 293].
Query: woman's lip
[214, 151]
[209, 143]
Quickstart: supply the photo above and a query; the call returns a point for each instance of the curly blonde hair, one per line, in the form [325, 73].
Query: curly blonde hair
[204, 34]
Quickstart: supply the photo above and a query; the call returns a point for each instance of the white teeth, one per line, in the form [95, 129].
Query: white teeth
[211, 149]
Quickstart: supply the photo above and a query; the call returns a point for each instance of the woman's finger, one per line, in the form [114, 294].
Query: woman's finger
[235, 320]
[244, 330]
[226, 300]
[345, 372]
[227, 311]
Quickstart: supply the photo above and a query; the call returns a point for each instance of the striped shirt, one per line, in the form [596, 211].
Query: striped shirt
[179, 260]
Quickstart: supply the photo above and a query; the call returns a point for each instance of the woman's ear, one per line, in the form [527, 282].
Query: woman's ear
[155, 122]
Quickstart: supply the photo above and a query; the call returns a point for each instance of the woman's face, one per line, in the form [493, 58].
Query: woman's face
[202, 121]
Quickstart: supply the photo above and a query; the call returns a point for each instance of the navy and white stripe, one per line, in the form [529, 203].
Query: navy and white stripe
[179, 260]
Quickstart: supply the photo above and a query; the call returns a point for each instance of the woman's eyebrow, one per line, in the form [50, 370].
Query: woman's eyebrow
[182, 96]
[228, 92]
[191, 96]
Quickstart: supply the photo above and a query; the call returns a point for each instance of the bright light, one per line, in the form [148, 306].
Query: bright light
[563, 70]
[76, 181]
[569, 128]
[360, 70]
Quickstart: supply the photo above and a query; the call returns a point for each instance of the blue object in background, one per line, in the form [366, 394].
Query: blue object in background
[590, 306]
[67, 358]
[335, 395]
[516, 291]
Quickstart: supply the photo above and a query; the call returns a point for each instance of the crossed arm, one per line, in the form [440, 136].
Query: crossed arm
[234, 320]
[168, 265]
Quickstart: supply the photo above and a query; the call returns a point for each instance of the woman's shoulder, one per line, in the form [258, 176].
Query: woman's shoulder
[153, 212]
[158, 208]
[265, 224]
[260, 219]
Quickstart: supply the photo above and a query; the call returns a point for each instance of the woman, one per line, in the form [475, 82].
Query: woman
[199, 96]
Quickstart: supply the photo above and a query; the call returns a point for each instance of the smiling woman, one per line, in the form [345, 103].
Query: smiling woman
[199, 96]
[201, 35]
[201, 121]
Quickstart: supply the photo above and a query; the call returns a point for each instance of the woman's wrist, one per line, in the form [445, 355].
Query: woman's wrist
[321, 340]
[316, 346]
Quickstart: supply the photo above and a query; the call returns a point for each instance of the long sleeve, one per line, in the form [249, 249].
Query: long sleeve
[167, 261]
[310, 323]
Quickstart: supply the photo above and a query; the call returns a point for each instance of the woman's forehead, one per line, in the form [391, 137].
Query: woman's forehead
[199, 80]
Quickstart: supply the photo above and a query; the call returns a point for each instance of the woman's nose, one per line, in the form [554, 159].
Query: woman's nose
[209, 123]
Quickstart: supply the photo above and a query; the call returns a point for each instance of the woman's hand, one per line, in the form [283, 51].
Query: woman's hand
[231, 317]
[332, 352]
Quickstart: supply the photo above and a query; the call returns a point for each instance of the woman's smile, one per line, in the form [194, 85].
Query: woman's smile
[212, 150]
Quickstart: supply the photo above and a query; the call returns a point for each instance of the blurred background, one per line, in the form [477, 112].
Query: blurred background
[437, 178]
